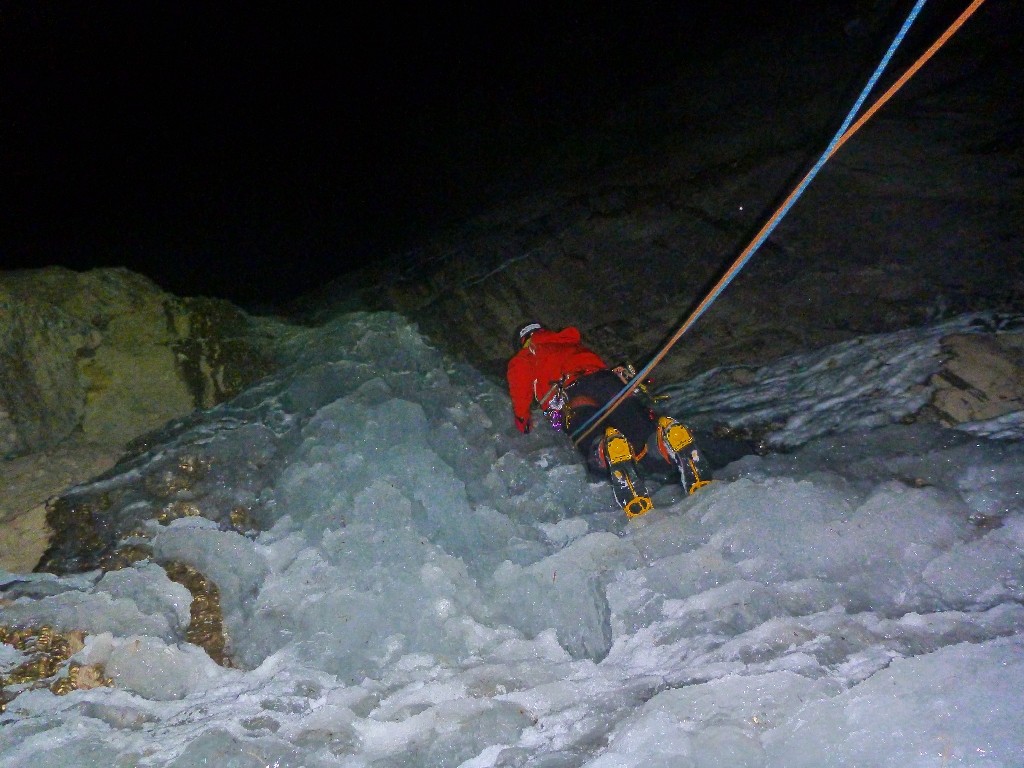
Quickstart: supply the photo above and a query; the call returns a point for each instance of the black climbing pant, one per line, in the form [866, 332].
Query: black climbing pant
[637, 422]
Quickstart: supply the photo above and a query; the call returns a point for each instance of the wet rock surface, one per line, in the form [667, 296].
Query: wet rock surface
[28, 482]
[46, 654]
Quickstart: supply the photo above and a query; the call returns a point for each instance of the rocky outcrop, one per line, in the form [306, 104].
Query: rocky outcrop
[982, 377]
[28, 482]
[106, 354]
[90, 361]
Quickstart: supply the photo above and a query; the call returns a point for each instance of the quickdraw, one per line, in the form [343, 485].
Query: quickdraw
[558, 410]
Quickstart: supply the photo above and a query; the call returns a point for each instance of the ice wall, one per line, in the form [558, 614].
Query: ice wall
[867, 382]
[413, 583]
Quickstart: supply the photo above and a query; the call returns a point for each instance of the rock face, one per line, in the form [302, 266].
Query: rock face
[90, 361]
[982, 377]
[914, 219]
[28, 482]
[106, 354]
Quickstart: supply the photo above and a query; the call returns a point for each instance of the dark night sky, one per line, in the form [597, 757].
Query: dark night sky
[251, 150]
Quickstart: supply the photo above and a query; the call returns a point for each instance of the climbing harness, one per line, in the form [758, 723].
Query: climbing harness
[842, 135]
[558, 410]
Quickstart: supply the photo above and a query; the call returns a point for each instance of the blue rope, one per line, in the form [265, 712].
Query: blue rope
[764, 235]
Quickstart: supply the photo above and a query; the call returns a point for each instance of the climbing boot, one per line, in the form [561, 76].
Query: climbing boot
[677, 446]
[630, 491]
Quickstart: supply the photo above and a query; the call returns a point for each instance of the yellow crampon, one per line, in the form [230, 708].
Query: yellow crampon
[697, 483]
[640, 505]
[630, 493]
[673, 438]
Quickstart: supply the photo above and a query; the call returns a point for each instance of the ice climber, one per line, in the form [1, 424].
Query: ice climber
[571, 383]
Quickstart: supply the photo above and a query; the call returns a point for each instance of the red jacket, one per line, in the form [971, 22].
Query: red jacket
[541, 363]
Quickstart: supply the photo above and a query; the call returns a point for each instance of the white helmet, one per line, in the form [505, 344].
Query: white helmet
[527, 331]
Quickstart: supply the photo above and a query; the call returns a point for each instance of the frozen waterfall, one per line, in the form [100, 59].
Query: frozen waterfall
[407, 581]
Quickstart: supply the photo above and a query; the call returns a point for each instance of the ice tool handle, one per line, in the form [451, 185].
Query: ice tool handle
[845, 132]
